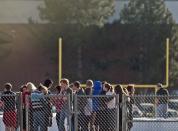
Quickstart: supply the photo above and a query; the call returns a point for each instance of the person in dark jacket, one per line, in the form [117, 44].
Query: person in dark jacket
[162, 101]
[48, 83]
[24, 95]
[81, 103]
[119, 91]
[131, 92]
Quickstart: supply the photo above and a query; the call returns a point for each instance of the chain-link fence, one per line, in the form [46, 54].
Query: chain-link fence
[10, 110]
[96, 113]
[151, 113]
[85, 113]
[88, 113]
[53, 112]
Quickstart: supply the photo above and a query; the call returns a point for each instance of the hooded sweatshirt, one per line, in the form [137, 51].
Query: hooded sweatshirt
[96, 91]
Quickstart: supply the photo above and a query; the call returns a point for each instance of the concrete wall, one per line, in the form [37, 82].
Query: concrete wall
[155, 125]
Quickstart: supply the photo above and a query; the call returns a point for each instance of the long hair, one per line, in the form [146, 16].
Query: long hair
[31, 87]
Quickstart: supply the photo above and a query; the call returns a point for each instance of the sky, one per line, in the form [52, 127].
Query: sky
[20, 11]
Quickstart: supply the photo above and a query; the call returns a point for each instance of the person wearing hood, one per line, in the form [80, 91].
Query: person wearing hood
[97, 88]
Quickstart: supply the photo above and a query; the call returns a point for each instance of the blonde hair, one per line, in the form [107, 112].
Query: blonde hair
[31, 87]
[125, 91]
[89, 83]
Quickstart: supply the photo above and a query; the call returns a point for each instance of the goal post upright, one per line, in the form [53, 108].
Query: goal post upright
[59, 59]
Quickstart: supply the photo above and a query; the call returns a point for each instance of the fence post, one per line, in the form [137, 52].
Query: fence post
[155, 106]
[124, 113]
[21, 112]
[69, 113]
[27, 112]
[75, 114]
[117, 112]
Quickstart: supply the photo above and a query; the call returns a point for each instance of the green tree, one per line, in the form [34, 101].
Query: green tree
[71, 17]
[82, 12]
[151, 23]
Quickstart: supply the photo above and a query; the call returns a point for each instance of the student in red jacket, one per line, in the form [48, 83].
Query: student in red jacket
[10, 110]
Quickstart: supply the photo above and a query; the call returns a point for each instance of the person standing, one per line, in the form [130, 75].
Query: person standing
[48, 83]
[10, 112]
[97, 88]
[131, 92]
[58, 103]
[37, 110]
[28, 104]
[162, 97]
[81, 103]
[24, 95]
[111, 108]
[119, 91]
[88, 107]
[65, 110]
[102, 108]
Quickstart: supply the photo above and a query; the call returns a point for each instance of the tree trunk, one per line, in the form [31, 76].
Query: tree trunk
[79, 53]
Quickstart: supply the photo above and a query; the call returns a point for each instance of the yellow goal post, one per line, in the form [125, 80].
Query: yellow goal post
[166, 83]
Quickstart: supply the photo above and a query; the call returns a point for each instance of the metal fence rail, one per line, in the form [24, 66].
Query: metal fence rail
[152, 113]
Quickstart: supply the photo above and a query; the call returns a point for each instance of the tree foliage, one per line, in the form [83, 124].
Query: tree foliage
[83, 12]
[146, 12]
[151, 23]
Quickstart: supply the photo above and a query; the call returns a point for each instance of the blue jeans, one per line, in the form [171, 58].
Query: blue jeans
[39, 122]
[162, 110]
[63, 114]
[58, 119]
